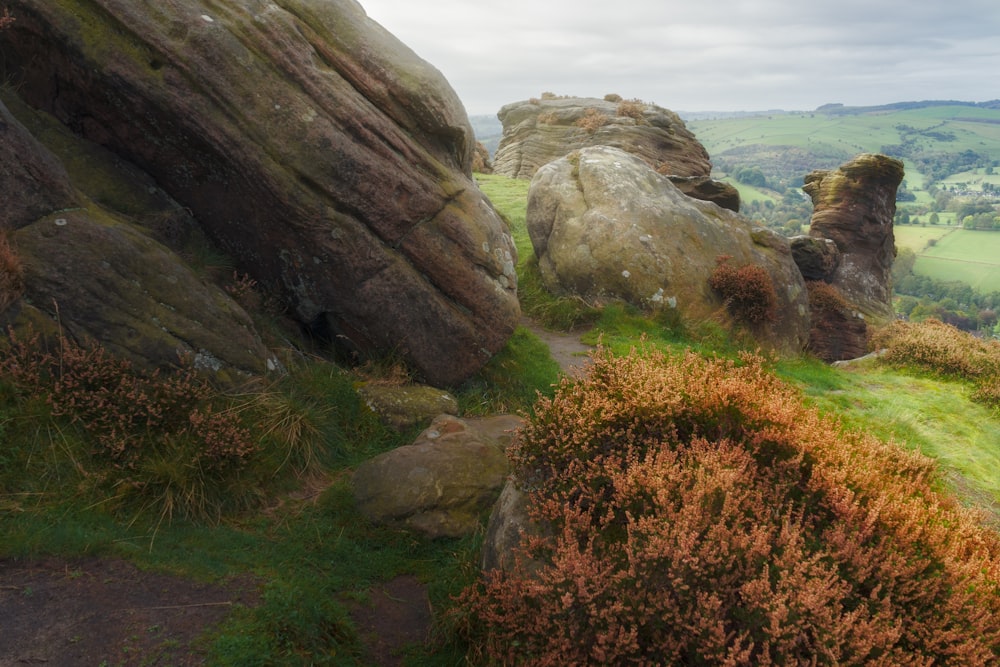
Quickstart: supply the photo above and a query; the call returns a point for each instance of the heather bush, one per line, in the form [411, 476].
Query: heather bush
[169, 438]
[695, 512]
[748, 291]
[937, 347]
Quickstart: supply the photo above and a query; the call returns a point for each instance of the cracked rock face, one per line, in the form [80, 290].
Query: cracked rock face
[605, 227]
[308, 143]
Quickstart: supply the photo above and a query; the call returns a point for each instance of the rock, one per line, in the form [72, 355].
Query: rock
[104, 280]
[838, 330]
[33, 182]
[406, 406]
[816, 258]
[854, 206]
[481, 160]
[605, 226]
[313, 147]
[537, 132]
[508, 523]
[707, 189]
[442, 483]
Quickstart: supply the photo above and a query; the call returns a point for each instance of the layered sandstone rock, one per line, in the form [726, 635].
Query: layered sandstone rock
[605, 226]
[536, 132]
[850, 251]
[854, 206]
[309, 144]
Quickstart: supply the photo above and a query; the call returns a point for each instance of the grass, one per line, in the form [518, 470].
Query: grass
[968, 256]
[916, 237]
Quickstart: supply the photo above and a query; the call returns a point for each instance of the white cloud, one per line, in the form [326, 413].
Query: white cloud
[719, 55]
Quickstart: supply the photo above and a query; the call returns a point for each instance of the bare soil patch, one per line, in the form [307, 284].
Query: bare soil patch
[98, 611]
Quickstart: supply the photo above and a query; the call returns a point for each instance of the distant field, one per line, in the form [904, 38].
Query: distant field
[969, 256]
[915, 238]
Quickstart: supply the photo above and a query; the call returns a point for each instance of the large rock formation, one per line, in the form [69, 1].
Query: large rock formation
[605, 226]
[849, 252]
[536, 132]
[309, 144]
[854, 206]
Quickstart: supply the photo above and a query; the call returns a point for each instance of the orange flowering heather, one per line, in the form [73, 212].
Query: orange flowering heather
[697, 513]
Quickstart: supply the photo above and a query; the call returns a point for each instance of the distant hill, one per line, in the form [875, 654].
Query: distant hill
[488, 130]
[938, 141]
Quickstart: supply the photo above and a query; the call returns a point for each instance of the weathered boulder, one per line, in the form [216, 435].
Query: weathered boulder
[442, 483]
[104, 280]
[33, 182]
[405, 406]
[605, 226]
[816, 258]
[312, 146]
[854, 206]
[481, 163]
[537, 132]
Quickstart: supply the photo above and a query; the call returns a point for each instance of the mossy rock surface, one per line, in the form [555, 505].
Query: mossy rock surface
[311, 146]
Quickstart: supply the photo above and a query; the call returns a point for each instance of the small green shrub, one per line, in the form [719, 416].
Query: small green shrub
[694, 509]
[748, 291]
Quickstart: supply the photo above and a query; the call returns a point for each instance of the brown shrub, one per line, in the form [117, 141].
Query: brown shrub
[612, 97]
[698, 512]
[591, 120]
[11, 274]
[935, 346]
[128, 414]
[748, 291]
[548, 118]
[631, 109]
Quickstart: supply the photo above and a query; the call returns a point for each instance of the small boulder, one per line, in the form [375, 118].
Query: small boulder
[402, 407]
[509, 521]
[816, 258]
[442, 483]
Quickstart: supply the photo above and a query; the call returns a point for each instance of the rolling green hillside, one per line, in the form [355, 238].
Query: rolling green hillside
[935, 142]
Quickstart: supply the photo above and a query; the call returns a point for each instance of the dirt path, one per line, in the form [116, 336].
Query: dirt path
[569, 352]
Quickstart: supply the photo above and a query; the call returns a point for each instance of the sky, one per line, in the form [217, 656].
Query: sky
[705, 55]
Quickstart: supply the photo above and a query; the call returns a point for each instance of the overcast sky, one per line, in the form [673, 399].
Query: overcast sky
[705, 55]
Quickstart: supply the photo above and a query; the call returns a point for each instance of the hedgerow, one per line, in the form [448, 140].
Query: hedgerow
[693, 511]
